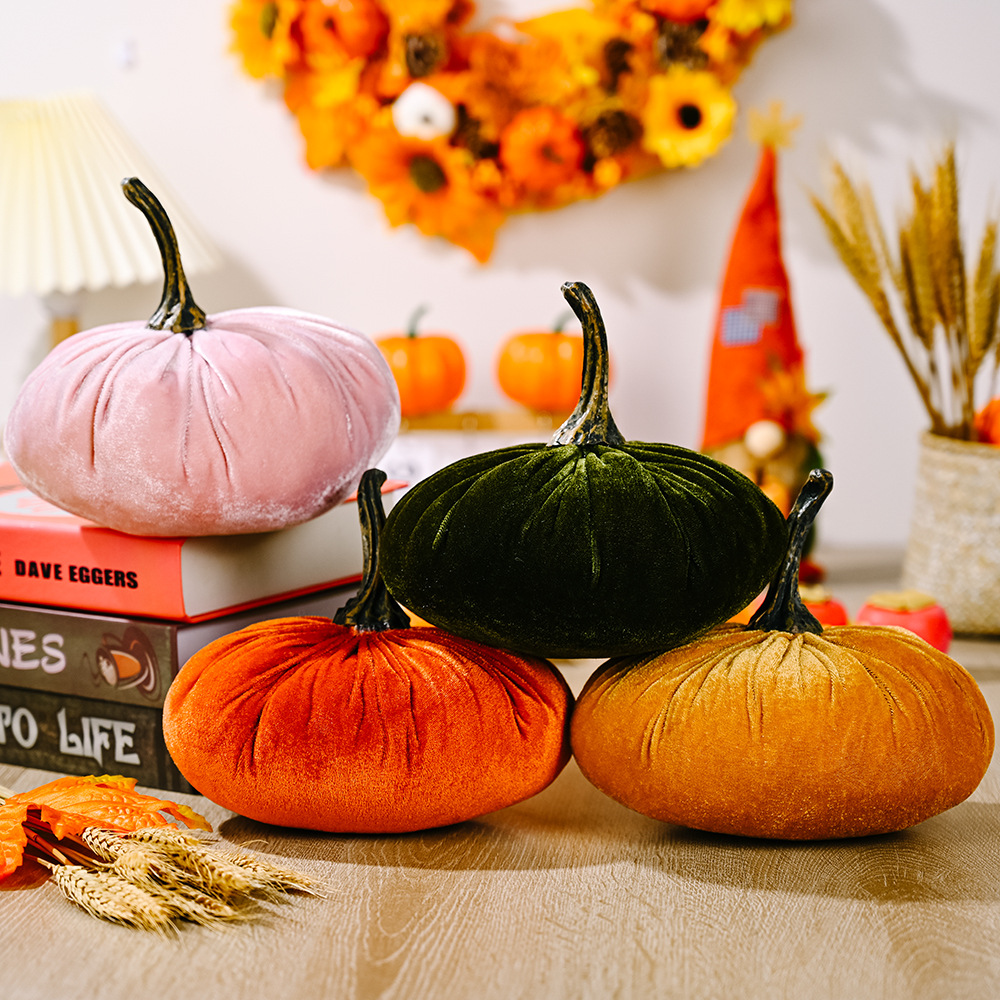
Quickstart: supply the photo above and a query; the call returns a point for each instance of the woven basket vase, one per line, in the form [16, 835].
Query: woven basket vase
[953, 552]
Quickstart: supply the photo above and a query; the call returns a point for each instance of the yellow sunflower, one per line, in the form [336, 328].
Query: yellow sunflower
[429, 184]
[687, 117]
[745, 16]
[262, 35]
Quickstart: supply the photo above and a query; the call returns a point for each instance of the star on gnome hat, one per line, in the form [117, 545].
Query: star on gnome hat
[758, 413]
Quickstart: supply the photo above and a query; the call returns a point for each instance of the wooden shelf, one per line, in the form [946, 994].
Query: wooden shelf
[484, 420]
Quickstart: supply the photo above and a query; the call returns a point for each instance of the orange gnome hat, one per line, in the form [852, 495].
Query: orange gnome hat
[756, 369]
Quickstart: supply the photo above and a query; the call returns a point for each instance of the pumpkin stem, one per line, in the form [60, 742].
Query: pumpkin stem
[783, 610]
[559, 326]
[418, 314]
[177, 311]
[591, 422]
[373, 608]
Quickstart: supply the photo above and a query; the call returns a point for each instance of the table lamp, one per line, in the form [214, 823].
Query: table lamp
[65, 226]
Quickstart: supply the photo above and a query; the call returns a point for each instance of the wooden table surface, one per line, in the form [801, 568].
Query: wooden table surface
[567, 896]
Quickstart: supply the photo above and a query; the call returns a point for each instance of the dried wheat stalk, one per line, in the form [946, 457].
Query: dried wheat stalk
[950, 326]
[151, 877]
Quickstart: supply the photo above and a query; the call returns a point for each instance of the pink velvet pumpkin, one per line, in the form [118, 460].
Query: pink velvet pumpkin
[241, 421]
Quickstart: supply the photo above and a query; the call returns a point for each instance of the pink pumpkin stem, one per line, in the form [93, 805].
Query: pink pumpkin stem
[177, 311]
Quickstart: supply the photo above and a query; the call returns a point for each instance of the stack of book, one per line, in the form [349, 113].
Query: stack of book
[94, 624]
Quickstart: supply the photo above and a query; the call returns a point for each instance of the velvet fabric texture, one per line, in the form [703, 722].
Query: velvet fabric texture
[581, 550]
[305, 723]
[262, 419]
[860, 730]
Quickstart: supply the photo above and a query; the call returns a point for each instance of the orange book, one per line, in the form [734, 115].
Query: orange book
[50, 557]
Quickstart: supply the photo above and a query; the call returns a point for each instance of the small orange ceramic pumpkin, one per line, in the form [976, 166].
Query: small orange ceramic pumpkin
[363, 724]
[783, 729]
[542, 369]
[429, 368]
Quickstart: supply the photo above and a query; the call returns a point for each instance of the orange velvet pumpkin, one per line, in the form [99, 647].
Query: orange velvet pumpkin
[362, 724]
[542, 369]
[429, 368]
[783, 729]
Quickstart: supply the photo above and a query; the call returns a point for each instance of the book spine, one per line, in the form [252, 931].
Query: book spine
[124, 660]
[84, 736]
[82, 566]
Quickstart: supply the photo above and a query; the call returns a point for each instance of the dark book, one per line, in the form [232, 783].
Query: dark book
[86, 736]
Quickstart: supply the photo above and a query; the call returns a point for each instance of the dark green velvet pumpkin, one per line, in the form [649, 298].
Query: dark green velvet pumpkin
[589, 546]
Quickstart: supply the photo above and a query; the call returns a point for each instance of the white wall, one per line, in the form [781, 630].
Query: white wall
[879, 82]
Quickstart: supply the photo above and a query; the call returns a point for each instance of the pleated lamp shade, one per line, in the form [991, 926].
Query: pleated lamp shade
[65, 225]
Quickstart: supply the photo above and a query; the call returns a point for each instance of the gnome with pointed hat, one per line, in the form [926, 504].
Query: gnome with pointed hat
[758, 416]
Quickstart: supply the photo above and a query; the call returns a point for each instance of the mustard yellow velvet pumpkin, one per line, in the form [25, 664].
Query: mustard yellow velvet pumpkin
[783, 729]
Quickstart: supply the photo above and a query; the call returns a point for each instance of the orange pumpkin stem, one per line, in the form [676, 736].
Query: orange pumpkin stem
[591, 422]
[783, 609]
[373, 608]
[177, 311]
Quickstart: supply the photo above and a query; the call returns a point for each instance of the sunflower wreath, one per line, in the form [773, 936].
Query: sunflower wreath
[454, 128]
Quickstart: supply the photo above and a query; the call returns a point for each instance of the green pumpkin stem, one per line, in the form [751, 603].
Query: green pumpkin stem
[418, 315]
[177, 311]
[591, 422]
[373, 608]
[783, 610]
[559, 326]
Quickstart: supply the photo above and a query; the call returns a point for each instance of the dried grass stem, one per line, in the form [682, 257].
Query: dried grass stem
[950, 326]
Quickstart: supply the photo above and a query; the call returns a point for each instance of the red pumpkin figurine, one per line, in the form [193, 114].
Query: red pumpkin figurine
[362, 724]
[826, 609]
[429, 368]
[912, 610]
[988, 422]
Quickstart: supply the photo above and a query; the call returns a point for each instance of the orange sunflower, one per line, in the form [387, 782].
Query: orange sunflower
[429, 184]
[688, 116]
